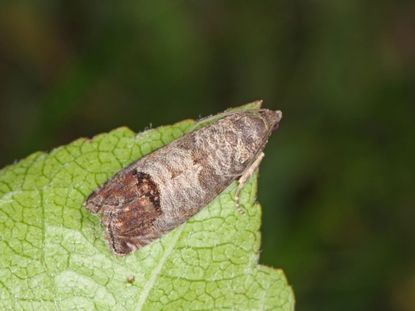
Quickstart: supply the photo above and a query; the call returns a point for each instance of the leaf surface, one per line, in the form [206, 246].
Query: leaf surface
[53, 255]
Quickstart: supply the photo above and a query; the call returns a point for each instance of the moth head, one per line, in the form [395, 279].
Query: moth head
[271, 118]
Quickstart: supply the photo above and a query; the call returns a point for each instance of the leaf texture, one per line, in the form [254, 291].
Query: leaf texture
[53, 255]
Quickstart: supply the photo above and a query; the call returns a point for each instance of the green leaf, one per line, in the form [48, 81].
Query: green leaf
[53, 255]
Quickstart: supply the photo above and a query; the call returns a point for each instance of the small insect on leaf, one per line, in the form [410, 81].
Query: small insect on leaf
[131, 279]
[162, 190]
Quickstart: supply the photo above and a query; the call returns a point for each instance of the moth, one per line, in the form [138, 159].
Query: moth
[163, 189]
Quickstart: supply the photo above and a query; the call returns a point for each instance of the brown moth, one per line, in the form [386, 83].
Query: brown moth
[163, 189]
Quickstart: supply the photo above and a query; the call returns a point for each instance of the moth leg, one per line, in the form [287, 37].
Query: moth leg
[249, 171]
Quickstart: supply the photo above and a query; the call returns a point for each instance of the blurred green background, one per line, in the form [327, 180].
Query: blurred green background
[337, 182]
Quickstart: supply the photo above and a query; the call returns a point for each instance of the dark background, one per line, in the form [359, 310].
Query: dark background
[337, 182]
